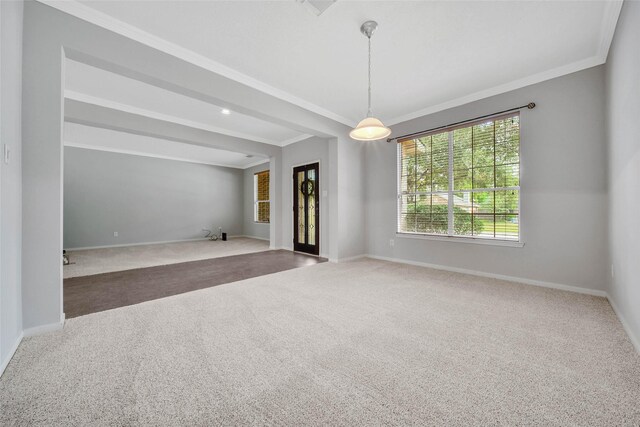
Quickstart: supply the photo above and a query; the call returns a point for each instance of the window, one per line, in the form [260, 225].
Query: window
[261, 203]
[462, 181]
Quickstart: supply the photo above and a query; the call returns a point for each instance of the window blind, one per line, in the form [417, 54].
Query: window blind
[462, 181]
[261, 196]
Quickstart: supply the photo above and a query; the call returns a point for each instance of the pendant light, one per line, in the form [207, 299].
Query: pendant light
[370, 128]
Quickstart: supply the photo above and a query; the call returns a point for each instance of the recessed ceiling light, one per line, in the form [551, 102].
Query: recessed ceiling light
[226, 111]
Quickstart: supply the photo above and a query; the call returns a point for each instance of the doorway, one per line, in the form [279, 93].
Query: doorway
[306, 209]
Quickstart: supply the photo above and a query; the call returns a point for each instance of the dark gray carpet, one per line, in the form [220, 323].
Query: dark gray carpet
[99, 292]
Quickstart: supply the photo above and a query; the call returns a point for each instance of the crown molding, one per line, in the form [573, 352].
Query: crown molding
[147, 154]
[93, 16]
[607, 30]
[94, 100]
[259, 162]
[497, 90]
[608, 27]
[296, 139]
[81, 11]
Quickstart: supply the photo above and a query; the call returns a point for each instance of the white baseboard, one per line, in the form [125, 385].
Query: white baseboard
[533, 282]
[351, 258]
[7, 359]
[43, 329]
[632, 337]
[126, 245]
[595, 292]
[251, 237]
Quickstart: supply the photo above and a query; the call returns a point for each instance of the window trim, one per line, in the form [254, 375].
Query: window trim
[255, 197]
[460, 239]
[449, 237]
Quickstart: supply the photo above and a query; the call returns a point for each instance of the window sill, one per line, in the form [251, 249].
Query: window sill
[261, 222]
[476, 241]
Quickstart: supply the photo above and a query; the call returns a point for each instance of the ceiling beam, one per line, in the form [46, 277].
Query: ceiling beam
[114, 119]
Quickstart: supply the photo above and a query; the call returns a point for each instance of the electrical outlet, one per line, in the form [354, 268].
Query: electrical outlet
[392, 242]
[115, 234]
[7, 151]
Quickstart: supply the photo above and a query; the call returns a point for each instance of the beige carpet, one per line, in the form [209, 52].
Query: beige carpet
[360, 343]
[96, 261]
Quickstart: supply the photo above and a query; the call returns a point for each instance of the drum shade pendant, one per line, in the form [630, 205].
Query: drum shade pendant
[369, 129]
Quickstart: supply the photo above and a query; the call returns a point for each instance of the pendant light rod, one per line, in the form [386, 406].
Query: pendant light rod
[370, 128]
[368, 28]
[369, 114]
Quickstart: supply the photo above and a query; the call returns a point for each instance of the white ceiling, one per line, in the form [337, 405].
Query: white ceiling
[76, 135]
[426, 55]
[94, 85]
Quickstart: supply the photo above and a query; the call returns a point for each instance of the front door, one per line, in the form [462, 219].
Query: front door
[306, 209]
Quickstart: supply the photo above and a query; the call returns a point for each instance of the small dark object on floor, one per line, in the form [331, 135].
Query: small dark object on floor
[65, 258]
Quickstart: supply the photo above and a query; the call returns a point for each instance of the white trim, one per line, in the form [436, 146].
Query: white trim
[632, 337]
[43, 329]
[295, 139]
[258, 163]
[569, 288]
[12, 351]
[126, 245]
[635, 341]
[607, 31]
[113, 105]
[60, 145]
[255, 237]
[450, 181]
[461, 239]
[151, 155]
[451, 236]
[608, 28]
[110, 23]
[348, 259]
[497, 90]
[86, 13]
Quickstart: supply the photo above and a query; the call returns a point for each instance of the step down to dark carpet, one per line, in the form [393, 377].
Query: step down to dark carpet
[99, 292]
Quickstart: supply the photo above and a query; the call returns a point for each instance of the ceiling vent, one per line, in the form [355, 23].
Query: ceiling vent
[317, 7]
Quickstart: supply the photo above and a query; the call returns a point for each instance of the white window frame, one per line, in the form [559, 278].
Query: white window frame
[255, 198]
[450, 236]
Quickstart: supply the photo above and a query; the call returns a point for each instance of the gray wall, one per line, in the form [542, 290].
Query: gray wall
[623, 129]
[351, 187]
[145, 199]
[50, 34]
[301, 153]
[11, 178]
[250, 227]
[563, 154]
[563, 188]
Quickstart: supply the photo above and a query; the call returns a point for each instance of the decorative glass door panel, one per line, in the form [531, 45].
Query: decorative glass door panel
[306, 212]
